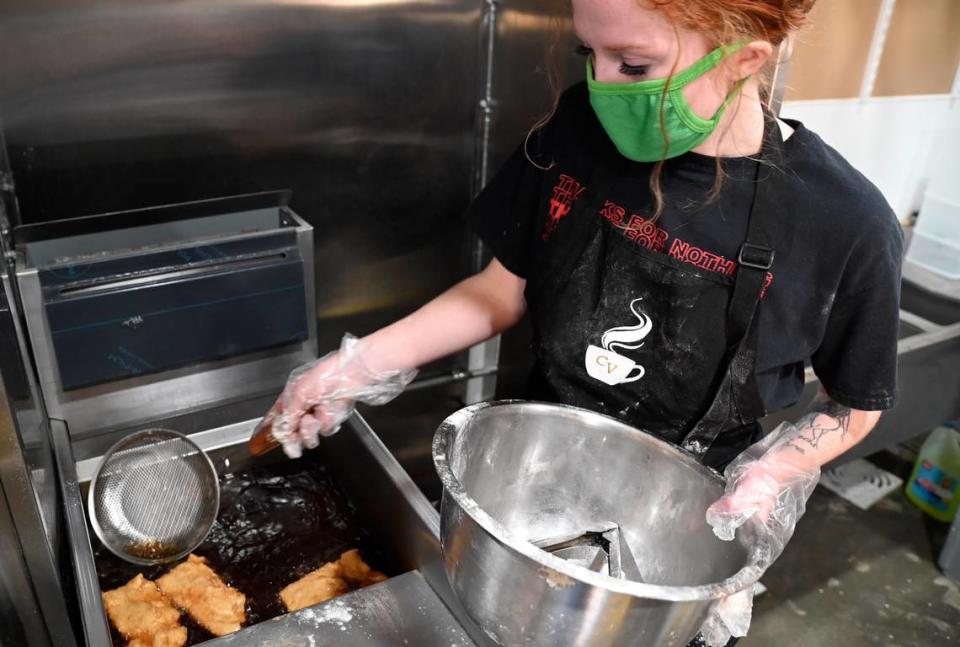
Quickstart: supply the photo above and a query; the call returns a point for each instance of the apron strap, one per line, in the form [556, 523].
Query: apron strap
[756, 254]
[738, 396]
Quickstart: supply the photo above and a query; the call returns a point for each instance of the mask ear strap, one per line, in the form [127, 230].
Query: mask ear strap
[733, 48]
[734, 92]
[712, 60]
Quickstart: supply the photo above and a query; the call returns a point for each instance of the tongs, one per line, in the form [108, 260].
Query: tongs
[262, 441]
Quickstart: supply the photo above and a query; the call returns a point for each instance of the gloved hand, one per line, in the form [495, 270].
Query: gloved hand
[320, 395]
[730, 616]
[770, 483]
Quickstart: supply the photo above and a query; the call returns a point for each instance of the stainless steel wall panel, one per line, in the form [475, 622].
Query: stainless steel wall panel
[365, 109]
[32, 606]
[272, 73]
[21, 622]
[27, 498]
[23, 398]
[532, 35]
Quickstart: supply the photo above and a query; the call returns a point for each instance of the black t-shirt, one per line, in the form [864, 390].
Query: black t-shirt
[832, 295]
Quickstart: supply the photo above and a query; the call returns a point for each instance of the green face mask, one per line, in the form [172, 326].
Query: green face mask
[630, 112]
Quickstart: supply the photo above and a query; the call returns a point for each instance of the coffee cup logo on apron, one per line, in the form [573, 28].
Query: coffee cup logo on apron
[610, 367]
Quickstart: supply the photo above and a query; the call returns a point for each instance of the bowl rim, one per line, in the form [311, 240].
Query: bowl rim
[444, 438]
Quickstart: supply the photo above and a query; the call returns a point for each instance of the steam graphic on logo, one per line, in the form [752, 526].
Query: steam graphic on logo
[610, 367]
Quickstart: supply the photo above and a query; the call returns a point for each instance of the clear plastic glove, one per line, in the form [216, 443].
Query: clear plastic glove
[730, 616]
[321, 395]
[761, 483]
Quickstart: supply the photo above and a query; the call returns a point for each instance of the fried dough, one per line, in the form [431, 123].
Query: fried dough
[143, 615]
[197, 589]
[349, 572]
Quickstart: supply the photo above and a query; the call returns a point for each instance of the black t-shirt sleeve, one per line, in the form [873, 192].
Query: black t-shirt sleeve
[857, 358]
[509, 215]
[504, 214]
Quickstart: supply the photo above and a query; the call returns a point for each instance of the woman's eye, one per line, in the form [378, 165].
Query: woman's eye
[633, 70]
[583, 50]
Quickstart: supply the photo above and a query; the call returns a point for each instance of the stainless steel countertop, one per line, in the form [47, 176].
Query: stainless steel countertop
[403, 610]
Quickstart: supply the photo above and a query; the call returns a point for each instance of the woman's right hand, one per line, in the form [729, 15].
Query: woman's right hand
[320, 395]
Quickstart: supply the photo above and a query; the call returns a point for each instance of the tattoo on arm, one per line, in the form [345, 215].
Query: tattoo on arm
[827, 418]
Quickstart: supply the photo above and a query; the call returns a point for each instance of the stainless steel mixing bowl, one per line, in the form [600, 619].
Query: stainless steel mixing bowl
[519, 473]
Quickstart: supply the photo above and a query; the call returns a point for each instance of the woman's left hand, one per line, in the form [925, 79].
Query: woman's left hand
[771, 482]
[765, 484]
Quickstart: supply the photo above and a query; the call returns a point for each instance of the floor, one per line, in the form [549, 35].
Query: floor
[852, 577]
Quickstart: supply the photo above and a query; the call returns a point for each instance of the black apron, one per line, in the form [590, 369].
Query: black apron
[658, 343]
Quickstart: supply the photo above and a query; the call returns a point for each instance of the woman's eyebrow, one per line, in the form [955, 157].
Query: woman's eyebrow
[641, 47]
[635, 47]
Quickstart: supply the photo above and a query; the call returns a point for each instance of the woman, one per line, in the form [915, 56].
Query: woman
[681, 254]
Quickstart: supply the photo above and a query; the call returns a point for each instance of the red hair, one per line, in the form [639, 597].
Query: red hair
[725, 21]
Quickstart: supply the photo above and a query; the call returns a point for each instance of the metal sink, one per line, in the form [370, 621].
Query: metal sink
[928, 304]
[908, 329]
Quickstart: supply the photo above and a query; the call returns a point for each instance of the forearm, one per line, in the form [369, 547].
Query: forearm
[826, 431]
[320, 395]
[470, 312]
